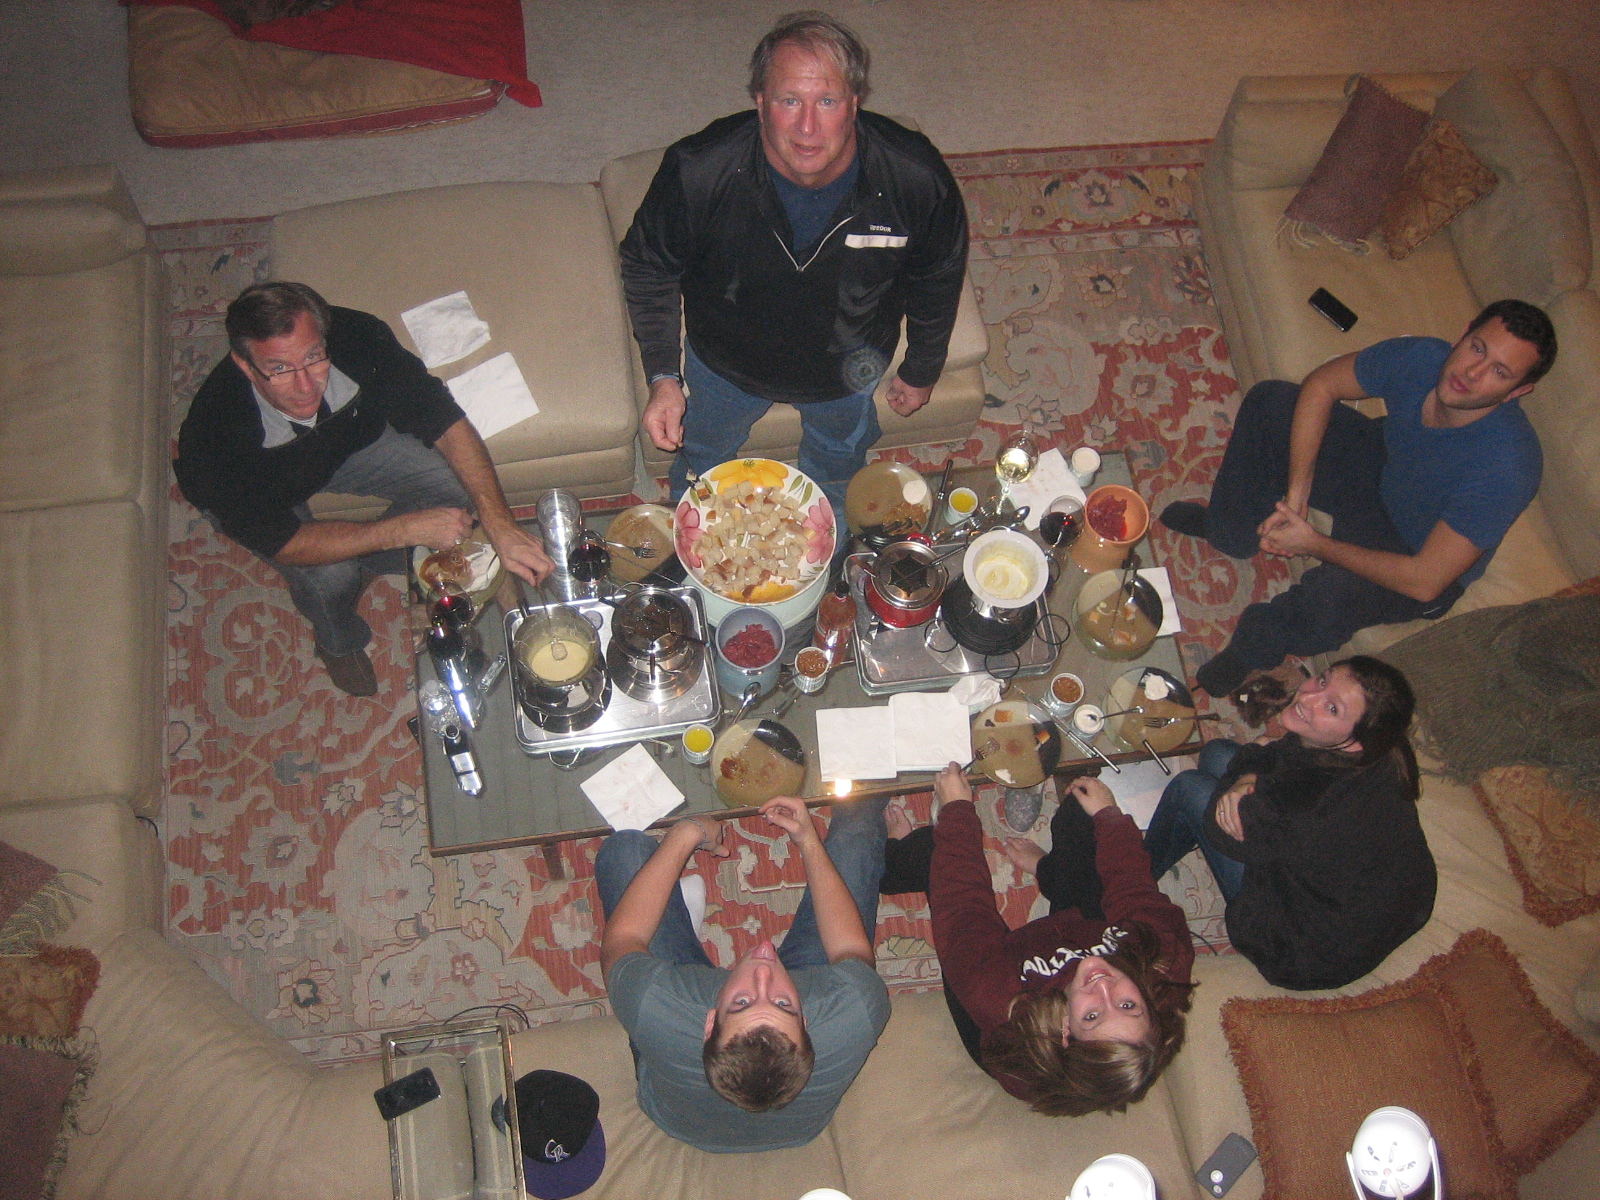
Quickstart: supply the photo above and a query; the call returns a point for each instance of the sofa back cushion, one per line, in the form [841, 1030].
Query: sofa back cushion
[1529, 238]
[1565, 410]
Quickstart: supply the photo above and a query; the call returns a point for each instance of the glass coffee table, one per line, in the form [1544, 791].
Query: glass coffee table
[528, 800]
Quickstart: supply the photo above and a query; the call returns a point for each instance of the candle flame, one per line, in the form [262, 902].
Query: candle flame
[841, 787]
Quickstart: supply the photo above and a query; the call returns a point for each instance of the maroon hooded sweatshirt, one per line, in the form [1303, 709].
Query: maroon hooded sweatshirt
[987, 964]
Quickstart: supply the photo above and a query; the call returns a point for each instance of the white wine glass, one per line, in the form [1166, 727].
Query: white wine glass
[1018, 454]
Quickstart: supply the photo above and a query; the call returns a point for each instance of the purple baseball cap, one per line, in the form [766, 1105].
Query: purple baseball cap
[563, 1145]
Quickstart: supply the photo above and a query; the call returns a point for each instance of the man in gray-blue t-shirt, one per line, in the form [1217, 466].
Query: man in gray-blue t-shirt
[1419, 499]
[756, 1057]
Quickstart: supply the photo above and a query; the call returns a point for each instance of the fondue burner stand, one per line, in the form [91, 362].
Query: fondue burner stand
[625, 719]
[927, 657]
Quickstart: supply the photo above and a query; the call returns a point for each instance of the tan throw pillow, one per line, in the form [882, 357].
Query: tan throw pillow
[1441, 178]
[1543, 1082]
[1360, 167]
[1313, 1069]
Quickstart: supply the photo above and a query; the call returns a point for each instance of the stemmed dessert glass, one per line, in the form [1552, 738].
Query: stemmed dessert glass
[1018, 454]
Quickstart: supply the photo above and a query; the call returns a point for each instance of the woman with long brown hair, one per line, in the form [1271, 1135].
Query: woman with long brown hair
[1078, 1011]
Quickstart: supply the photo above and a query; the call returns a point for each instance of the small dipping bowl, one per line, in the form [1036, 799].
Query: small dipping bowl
[1063, 695]
[1087, 721]
[697, 742]
[959, 505]
[811, 669]
[734, 677]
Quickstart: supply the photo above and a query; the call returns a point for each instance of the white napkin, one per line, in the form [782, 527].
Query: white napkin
[494, 395]
[445, 330]
[931, 729]
[631, 791]
[1050, 478]
[856, 743]
[1170, 621]
[977, 692]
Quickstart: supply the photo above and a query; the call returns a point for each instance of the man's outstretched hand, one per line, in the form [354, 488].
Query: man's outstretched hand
[663, 415]
[1287, 533]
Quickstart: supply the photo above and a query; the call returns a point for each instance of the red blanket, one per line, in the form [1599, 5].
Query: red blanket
[480, 39]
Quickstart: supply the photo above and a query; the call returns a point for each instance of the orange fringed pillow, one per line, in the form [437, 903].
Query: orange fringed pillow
[44, 994]
[1438, 1044]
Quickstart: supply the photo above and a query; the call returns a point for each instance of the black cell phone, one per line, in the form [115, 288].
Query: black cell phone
[406, 1093]
[1330, 306]
[1222, 1170]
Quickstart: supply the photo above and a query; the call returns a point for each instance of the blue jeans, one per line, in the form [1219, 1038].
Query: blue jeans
[1329, 604]
[412, 477]
[1178, 825]
[834, 440]
[854, 843]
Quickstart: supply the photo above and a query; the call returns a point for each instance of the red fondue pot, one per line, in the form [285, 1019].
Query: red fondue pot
[905, 583]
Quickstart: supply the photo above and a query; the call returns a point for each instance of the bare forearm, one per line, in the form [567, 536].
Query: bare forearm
[320, 542]
[469, 458]
[1403, 573]
[1330, 383]
[637, 915]
[838, 920]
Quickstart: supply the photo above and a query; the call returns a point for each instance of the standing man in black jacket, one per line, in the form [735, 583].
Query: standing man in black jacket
[797, 237]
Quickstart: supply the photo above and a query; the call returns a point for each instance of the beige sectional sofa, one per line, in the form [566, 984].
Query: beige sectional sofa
[193, 1098]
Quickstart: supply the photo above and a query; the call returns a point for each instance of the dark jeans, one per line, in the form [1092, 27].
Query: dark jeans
[1067, 878]
[1178, 825]
[412, 477]
[1329, 604]
[854, 843]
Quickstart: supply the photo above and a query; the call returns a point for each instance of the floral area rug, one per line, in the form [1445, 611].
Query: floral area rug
[298, 873]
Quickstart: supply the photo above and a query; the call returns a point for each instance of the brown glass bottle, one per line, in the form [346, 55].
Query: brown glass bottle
[835, 617]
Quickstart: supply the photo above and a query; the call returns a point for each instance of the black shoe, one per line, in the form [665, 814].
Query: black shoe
[1185, 517]
[351, 673]
[1222, 675]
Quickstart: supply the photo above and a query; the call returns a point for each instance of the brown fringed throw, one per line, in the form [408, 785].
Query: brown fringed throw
[1512, 685]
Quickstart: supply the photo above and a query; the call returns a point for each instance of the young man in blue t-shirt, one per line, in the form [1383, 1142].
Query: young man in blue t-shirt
[1419, 499]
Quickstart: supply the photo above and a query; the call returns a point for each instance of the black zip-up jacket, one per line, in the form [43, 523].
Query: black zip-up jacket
[713, 231]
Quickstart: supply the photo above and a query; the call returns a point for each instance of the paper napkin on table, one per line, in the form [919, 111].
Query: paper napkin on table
[1050, 478]
[445, 330]
[977, 692]
[931, 730]
[494, 395]
[1170, 621]
[915, 731]
[856, 743]
[631, 791]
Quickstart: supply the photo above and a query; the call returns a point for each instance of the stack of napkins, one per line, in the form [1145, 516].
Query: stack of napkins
[445, 330]
[631, 792]
[1170, 621]
[915, 731]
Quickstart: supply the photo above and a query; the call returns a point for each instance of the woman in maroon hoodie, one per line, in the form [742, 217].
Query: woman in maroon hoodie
[1077, 1011]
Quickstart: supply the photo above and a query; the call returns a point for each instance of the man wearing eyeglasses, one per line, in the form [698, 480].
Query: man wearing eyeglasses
[312, 399]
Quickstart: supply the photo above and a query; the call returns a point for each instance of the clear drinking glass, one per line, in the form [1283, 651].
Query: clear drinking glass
[1018, 454]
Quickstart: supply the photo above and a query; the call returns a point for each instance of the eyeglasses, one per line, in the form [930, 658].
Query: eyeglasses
[317, 358]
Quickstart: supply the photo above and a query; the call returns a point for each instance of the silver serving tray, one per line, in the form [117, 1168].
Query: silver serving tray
[890, 660]
[625, 719]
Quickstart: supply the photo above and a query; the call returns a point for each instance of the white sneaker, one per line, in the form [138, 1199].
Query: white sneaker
[693, 890]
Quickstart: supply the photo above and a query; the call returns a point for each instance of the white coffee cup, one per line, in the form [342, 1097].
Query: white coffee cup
[1053, 703]
[1085, 462]
[960, 504]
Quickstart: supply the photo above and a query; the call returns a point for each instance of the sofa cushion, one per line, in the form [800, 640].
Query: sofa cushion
[1529, 239]
[1424, 293]
[1440, 179]
[1361, 165]
[108, 861]
[922, 1110]
[81, 666]
[537, 262]
[43, 994]
[42, 1081]
[192, 83]
[643, 1161]
[1565, 410]
[73, 384]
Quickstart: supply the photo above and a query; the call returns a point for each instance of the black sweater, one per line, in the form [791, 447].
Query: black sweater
[251, 491]
[1337, 870]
